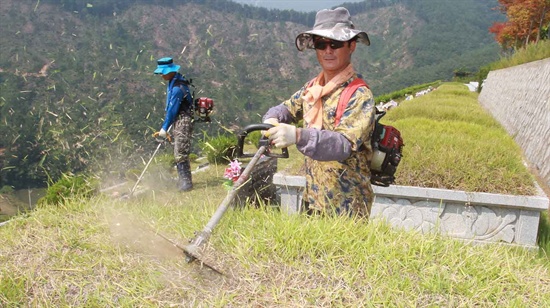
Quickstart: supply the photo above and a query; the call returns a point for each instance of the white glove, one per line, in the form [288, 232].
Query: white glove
[282, 135]
[162, 133]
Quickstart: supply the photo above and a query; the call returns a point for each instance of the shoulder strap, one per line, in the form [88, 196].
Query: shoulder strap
[185, 85]
[345, 97]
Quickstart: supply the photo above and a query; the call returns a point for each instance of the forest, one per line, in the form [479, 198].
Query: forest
[527, 22]
[77, 93]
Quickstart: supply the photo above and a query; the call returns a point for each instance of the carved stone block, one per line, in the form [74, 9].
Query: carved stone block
[479, 217]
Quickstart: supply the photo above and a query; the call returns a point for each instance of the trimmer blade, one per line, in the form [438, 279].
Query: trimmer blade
[193, 252]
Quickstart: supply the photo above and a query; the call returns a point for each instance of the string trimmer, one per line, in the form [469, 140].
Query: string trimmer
[193, 250]
[160, 142]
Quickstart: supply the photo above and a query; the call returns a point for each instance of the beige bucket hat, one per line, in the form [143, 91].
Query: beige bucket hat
[333, 24]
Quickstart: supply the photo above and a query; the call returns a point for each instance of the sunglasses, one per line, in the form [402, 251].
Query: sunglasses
[322, 44]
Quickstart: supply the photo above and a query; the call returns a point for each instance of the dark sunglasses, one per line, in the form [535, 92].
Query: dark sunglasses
[322, 44]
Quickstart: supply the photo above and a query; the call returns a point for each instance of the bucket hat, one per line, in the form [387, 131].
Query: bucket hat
[166, 66]
[333, 24]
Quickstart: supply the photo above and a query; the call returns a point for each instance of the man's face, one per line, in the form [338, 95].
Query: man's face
[333, 56]
[168, 76]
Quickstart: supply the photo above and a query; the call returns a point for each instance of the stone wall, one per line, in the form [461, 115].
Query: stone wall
[470, 216]
[519, 98]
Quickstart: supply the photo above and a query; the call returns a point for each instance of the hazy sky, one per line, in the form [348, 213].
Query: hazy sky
[298, 5]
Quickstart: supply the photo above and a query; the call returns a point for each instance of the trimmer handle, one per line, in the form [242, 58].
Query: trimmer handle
[264, 141]
[379, 113]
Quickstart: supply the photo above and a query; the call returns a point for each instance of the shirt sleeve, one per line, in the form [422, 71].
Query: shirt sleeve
[323, 145]
[173, 107]
[279, 112]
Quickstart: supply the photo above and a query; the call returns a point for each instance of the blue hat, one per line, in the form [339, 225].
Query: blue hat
[166, 66]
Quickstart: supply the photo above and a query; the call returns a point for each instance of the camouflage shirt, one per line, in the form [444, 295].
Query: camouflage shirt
[336, 158]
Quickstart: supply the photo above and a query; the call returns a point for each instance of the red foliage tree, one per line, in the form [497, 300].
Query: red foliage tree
[527, 20]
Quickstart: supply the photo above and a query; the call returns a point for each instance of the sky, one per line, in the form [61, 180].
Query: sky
[297, 5]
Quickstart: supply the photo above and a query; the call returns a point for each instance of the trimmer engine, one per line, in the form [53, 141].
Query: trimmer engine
[203, 108]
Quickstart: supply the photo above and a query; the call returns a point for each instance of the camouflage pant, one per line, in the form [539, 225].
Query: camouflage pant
[183, 133]
[336, 188]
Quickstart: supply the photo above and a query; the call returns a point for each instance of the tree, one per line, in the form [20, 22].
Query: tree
[526, 22]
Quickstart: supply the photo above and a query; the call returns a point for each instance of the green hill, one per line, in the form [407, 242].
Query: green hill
[76, 82]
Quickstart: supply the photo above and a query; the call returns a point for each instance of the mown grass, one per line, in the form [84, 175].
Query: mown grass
[110, 253]
[452, 142]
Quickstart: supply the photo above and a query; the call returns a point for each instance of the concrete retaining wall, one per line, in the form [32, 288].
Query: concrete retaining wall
[519, 98]
[478, 217]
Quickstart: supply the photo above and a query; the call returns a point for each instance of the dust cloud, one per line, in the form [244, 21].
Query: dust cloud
[133, 234]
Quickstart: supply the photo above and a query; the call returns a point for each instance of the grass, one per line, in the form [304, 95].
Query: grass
[543, 240]
[108, 253]
[533, 52]
[452, 143]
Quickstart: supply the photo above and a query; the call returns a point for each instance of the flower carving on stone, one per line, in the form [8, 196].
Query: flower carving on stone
[479, 223]
[492, 225]
[419, 216]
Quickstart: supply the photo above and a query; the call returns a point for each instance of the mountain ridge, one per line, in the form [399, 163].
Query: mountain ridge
[99, 94]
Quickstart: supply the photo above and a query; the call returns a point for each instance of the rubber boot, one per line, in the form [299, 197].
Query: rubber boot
[184, 174]
[188, 175]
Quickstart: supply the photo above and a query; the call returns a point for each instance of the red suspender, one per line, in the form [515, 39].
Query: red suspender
[345, 97]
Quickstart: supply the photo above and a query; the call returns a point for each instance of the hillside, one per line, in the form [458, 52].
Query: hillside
[302, 6]
[77, 88]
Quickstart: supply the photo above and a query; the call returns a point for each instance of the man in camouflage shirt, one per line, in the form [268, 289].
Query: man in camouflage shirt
[337, 154]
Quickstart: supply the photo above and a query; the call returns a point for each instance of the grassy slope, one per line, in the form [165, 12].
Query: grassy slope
[452, 142]
[533, 52]
[104, 252]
